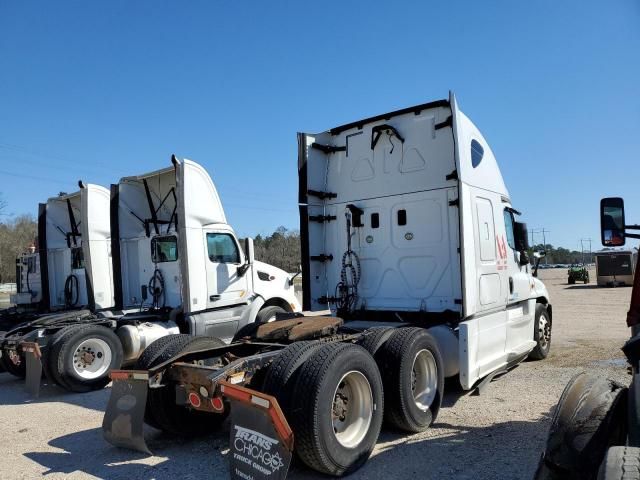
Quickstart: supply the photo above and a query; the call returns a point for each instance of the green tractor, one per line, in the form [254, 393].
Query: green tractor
[578, 273]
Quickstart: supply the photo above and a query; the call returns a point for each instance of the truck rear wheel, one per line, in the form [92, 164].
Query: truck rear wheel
[337, 408]
[621, 463]
[282, 374]
[413, 377]
[82, 357]
[374, 338]
[541, 333]
[266, 315]
[162, 412]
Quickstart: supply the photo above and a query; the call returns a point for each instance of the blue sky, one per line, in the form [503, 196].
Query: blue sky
[99, 90]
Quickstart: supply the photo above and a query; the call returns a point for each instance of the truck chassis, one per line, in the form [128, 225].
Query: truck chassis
[314, 376]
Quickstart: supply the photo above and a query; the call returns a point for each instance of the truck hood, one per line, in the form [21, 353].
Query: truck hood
[270, 282]
[539, 289]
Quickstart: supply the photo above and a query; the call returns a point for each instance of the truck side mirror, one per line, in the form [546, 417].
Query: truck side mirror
[538, 256]
[521, 236]
[521, 239]
[249, 251]
[612, 222]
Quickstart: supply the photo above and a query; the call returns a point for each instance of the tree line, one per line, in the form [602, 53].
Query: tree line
[16, 235]
[562, 255]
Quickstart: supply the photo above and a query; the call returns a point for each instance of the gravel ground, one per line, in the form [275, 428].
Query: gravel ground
[498, 435]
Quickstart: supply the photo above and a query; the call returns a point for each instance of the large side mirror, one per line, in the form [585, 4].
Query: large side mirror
[521, 236]
[612, 222]
[249, 251]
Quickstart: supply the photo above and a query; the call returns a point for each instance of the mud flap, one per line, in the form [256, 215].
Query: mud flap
[261, 442]
[33, 359]
[123, 423]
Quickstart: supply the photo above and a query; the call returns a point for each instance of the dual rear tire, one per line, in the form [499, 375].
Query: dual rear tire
[336, 396]
[162, 411]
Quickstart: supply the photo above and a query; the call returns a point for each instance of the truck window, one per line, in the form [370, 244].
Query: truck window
[164, 249]
[77, 258]
[508, 225]
[477, 152]
[222, 248]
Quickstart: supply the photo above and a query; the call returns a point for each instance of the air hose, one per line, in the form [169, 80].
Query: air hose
[347, 289]
[156, 289]
[71, 286]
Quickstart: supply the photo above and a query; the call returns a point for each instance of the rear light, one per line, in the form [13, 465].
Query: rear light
[194, 400]
[217, 404]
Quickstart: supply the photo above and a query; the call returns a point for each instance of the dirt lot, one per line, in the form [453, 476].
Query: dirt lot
[498, 435]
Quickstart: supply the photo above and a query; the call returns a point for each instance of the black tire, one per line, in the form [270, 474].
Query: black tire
[246, 332]
[19, 370]
[282, 373]
[374, 338]
[150, 355]
[47, 354]
[61, 361]
[315, 392]
[541, 333]
[572, 280]
[162, 412]
[621, 463]
[396, 360]
[589, 418]
[265, 315]
[268, 314]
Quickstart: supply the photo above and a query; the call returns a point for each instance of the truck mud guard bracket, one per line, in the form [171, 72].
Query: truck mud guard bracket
[123, 423]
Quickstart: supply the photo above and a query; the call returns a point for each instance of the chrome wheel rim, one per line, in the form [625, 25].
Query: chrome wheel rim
[352, 409]
[92, 358]
[544, 331]
[424, 379]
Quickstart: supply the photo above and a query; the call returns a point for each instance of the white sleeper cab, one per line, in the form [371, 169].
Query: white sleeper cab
[405, 218]
[409, 237]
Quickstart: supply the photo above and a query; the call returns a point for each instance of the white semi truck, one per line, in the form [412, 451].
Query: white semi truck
[70, 273]
[163, 261]
[409, 237]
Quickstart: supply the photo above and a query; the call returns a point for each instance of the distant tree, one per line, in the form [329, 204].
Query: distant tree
[15, 237]
[280, 249]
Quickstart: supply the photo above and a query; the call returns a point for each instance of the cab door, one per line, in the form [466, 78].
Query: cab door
[228, 288]
[520, 311]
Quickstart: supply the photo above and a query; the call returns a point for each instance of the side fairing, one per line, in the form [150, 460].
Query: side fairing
[95, 229]
[198, 206]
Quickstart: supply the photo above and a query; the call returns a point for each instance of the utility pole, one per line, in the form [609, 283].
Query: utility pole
[544, 232]
[582, 248]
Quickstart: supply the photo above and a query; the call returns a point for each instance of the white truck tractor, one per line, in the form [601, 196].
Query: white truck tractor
[68, 276]
[409, 237]
[169, 264]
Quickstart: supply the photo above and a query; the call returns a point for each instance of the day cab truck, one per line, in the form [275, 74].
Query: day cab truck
[175, 267]
[409, 237]
[67, 277]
